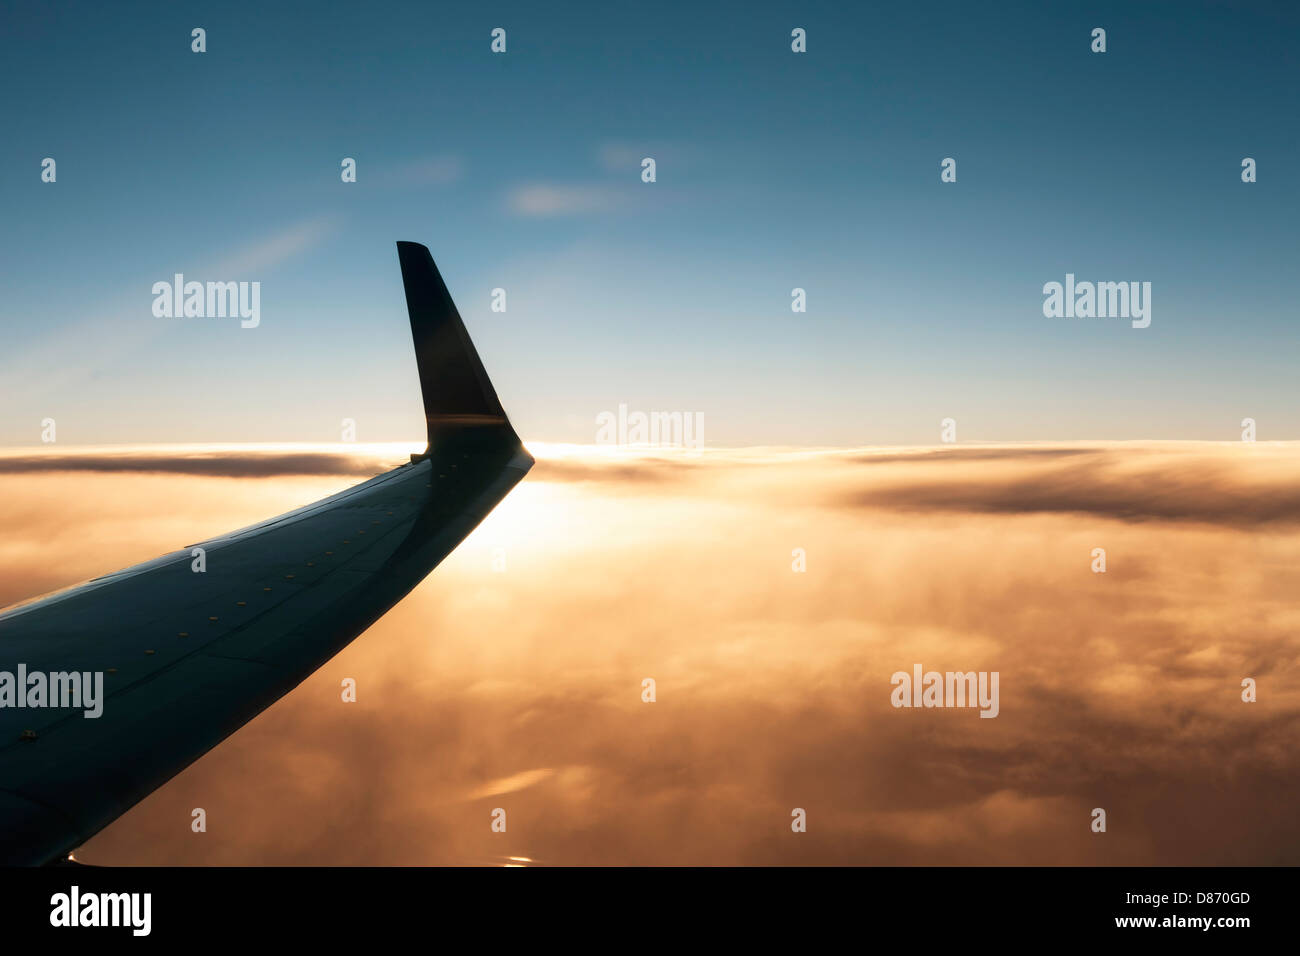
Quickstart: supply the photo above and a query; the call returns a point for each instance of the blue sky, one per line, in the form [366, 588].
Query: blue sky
[775, 170]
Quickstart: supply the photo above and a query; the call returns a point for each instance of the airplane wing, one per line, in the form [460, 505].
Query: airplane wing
[188, 658]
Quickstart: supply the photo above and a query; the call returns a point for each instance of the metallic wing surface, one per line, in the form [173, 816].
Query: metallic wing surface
[189, 658]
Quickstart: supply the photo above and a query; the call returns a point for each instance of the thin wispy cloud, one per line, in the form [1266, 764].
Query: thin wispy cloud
[240, 466]
[1214, 483]
[215, 460]
[69, 354]
[266, 253]
[544, 200]
[621, 161]
[626, 158]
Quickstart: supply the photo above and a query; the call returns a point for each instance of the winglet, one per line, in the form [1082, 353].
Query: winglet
[456, 389]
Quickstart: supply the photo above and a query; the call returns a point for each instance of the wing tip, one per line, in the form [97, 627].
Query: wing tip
[456, 389]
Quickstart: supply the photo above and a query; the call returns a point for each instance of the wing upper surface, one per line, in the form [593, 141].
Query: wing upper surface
[187, 658]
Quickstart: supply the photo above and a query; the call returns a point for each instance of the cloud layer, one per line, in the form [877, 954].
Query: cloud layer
[522, 689]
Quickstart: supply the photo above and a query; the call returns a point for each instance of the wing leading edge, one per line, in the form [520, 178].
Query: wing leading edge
[190, 658]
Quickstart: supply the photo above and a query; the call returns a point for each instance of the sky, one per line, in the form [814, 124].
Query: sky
[512, 677]
[774, 170]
